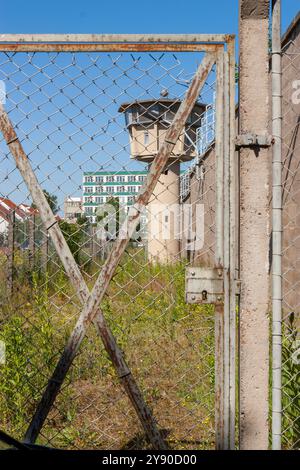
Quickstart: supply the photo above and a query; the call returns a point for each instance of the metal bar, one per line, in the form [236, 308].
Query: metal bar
[226, 250]
[219, 255]
[31, 241]
[44, 247]
[10, 255]
[94, 247]
[219, 377]
[219, 252]
[115, 47]
[277, 227]
[233, 260]
[104, 38]
[114, 352]
[92, 302]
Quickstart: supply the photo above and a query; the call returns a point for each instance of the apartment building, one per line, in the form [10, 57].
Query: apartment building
[72, 208]
[100, 186]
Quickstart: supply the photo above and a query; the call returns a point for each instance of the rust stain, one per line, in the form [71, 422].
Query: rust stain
[113, 47]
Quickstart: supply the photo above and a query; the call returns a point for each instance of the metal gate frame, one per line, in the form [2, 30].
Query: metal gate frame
[220, 50]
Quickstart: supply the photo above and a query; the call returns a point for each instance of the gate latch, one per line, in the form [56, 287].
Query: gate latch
[253, 140]
[204, 286]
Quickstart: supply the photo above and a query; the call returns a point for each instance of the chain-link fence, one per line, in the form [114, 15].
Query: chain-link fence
[90, 124]
[291, 237]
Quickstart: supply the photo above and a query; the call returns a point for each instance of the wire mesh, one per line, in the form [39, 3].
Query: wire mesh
[291, 253]
[90, 124]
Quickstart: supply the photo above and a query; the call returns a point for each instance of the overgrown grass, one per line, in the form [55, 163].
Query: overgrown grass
[167, 343]
[290, 385]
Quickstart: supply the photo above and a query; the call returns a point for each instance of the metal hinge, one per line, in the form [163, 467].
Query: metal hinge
[238, 287]
[253, 140]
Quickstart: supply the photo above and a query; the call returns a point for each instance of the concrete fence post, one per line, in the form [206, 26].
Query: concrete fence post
[254, 226]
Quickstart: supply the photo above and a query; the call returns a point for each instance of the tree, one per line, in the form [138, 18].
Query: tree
[52, 201]
[74, 236]
[83, 220]
[114, 216]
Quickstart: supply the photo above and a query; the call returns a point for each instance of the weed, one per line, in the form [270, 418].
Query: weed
[291, 384]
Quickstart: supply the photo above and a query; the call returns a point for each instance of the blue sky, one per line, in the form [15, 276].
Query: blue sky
[58, 137]
[131, 16]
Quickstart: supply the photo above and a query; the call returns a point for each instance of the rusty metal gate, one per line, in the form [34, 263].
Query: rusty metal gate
[117, 207]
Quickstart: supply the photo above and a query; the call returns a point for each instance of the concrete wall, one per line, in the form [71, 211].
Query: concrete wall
[163, 245]
[71, 209]
[202, 191]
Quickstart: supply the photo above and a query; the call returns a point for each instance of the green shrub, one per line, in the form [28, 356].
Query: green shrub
[291, 384]
[29, 341]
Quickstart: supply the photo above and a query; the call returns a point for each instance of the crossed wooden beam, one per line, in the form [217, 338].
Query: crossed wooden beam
[91, 300]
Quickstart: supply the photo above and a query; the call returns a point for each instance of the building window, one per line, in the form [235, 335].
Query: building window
[110, 189]
[146, 138]
[131, 178]
[99, 200]
[169, 116]
[120, 178]
[89, 199]
[110, 179]
[147, 115]
[134, 116]
[132, 189]
[89, 189]
[88, 179]
[89, 210]
[141, 178]
[99, 179]
[130, 199]
[120, 189]
[99, 189]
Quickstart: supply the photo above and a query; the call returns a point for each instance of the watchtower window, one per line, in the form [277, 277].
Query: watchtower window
[141, 116]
